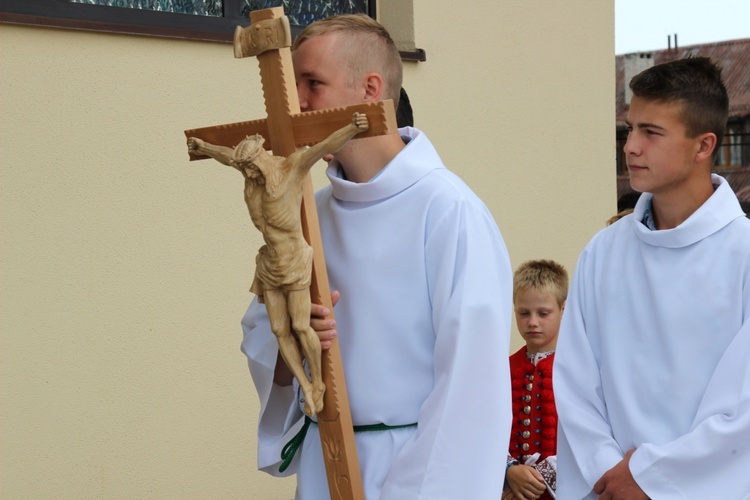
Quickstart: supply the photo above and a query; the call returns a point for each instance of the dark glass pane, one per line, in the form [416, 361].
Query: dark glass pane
[213, 8]
[304, 12]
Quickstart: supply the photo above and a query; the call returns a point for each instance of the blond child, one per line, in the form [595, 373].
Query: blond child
[540, 288]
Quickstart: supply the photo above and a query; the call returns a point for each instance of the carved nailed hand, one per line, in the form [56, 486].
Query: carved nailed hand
[195, 145]
[360, 121]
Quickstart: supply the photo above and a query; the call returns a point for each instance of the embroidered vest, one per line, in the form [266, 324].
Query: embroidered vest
[534, 428]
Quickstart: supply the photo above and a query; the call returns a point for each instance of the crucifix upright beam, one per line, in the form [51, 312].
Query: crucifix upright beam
[285, 129]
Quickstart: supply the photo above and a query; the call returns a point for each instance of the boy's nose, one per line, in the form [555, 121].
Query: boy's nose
[302, 98]
[630, 146]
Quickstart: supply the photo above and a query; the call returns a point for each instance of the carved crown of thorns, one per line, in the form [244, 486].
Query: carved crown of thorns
[248, 148]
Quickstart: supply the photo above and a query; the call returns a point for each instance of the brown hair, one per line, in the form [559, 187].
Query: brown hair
[694, 82]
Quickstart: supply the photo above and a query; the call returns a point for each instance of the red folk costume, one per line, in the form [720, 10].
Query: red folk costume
[533, 438]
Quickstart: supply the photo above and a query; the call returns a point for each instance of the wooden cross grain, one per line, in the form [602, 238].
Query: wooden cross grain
[285, 129]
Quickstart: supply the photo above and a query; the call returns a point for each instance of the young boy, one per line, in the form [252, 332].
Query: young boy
[652, 376]
[540, 288]
[425, 293]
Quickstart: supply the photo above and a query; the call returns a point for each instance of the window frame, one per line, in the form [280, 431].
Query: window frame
[734, 148]
[61, 14]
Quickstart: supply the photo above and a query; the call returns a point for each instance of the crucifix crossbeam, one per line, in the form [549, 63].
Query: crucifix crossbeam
[285, 129]
[308, 128]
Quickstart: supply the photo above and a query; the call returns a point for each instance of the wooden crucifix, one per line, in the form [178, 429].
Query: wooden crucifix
[284, 130]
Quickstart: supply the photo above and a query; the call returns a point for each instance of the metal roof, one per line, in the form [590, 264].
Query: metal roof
[733, 55]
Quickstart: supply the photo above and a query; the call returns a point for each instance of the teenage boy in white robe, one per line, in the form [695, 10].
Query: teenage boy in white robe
[423, 300]
[652, 376]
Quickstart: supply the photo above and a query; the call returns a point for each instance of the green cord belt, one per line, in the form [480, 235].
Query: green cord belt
[290, 449]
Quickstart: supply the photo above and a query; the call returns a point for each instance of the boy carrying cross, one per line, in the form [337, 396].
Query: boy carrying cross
[423, 283]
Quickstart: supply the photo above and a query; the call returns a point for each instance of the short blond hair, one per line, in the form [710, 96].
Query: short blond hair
[369, 48]
[542, 275]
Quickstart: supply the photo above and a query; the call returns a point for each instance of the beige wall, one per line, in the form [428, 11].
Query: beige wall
[125, 268]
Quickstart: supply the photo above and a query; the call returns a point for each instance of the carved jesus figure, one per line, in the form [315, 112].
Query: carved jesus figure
[283, 266]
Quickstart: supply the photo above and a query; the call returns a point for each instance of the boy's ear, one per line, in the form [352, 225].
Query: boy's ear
[562, 307]
[706, 147]
[373, 87]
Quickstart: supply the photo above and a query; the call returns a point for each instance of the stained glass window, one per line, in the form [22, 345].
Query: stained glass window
[300, 12]
[213, 20]
[304, 12]
[212, 8]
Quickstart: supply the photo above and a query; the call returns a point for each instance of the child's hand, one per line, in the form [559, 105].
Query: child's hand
[524, 482]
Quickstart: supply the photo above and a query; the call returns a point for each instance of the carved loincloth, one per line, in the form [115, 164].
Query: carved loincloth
[288, 272]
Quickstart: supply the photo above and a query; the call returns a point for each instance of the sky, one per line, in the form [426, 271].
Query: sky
[643, 25]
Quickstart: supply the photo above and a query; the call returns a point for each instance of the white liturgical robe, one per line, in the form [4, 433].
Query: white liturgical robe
[654, 355]
[424, 326]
